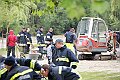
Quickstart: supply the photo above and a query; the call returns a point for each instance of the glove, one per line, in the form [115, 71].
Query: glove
[74, 66]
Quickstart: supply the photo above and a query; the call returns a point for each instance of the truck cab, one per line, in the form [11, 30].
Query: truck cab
[92, 36]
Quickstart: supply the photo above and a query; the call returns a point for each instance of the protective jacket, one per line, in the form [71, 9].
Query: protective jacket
[49, 35]
[11, 40]
[22, 62]
[29, 63]
[20, 73]
[62, 57]
[22, 38]
[29, 39]
[70, 37]
[40, 37]
[62, 73]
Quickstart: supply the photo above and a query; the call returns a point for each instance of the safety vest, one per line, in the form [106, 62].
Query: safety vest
[20, 72]
[70, 46]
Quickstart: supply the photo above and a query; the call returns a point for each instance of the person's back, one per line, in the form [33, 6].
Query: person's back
[59, 73]
[70, 36]
[15, 72]
[72, 39]
[11, 42]
[11, 39]
[40, 36]
[66, 72]
[23, 38]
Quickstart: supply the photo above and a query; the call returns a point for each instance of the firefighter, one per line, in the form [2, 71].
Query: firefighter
[15, 72]
[70, 36]
[60, 55]
[11, 42]
[49, 42]
[59, 73]
[40, 41]
[25, 62]
[29, 40]
[22, 41]
[33, 64]
[40, 36]
[49, 35]
[71, 40]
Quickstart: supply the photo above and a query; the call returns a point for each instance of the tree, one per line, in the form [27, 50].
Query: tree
[115, 14]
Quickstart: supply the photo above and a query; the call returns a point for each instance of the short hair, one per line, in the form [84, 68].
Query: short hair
[45, 66]
[23, 28]
[40, 27]
[59, 41]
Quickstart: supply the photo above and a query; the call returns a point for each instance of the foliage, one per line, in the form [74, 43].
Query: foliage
[14, 12]
[58, 14]
[115, 14]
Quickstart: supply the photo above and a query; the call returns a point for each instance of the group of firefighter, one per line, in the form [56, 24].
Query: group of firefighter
[62, 61]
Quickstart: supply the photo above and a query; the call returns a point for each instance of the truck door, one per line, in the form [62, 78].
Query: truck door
[102, 29]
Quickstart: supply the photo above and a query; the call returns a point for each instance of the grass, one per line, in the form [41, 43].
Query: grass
[100, 76]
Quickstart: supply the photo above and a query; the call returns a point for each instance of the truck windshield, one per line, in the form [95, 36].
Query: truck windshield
[83, 26]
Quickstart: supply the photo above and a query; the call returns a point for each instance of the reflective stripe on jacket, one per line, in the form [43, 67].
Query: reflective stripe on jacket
[63, 56]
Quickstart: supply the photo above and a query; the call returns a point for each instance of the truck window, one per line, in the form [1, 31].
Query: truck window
[101, 31]
[95, 30]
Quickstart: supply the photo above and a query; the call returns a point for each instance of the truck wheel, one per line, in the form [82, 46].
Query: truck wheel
[80, 57]
[97, 57]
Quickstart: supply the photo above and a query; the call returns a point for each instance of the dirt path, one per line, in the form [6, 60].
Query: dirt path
[111, 66]
[96, 66]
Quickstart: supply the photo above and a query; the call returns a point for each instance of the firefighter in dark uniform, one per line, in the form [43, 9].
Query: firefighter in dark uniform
[29, 40]
[71, 39]
[70, 36]
[33, 64]
[49, 35]
[40, 39]
[60, 55]
[15, 72]
[59, 73]
[22, 40]
[40, 36]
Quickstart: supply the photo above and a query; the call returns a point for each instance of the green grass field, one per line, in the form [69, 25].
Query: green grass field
[100, 76]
